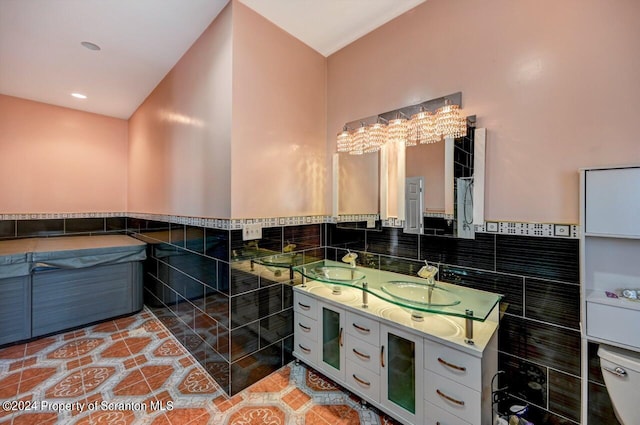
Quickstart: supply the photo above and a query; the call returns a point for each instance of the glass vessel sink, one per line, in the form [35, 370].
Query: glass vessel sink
[433, 323]
[407, 292]
[334, 274]
[281, 260]
[427, 295]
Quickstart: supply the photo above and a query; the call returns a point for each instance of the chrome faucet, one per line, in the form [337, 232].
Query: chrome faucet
[350, 258]
[428, 272]
[289, 247]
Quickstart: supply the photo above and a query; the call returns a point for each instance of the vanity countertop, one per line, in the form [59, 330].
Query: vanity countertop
[444, 329]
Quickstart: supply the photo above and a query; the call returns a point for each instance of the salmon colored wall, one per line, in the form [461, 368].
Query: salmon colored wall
[56, 160]
[179, 138]
[278, 149]
[555, 84]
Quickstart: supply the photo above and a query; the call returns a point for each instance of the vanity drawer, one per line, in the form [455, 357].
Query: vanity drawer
[363, 354]
[433, 415]
[365, 328]
[306, 327]
[304, 304]
[304, 348]
[455, 398]
[365, 381]
[600, 318]
[453, 364]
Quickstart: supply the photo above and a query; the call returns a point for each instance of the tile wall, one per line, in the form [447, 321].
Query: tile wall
[238, 321]
[234, 315]
[539, 335]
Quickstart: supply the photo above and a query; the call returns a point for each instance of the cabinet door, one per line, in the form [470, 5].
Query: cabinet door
[401, 373]
[612, 201]
[332, 355]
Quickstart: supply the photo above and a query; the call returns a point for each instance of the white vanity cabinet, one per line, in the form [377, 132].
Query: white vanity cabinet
[305, 331]
[412, 376]
[458, 384]
[363, 355]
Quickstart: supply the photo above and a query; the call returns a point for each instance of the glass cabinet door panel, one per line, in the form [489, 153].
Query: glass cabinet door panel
[331, 337]
[401, 372]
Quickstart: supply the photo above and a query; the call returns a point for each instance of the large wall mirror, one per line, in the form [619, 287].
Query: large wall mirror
[444, 185]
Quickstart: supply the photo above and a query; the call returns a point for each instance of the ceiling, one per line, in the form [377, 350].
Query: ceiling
[41, 57]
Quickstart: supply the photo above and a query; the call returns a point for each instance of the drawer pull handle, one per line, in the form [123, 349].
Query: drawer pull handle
[364, 356]
[451, 399]
[362, 381]
[617, 371]
[304, 306]
[382, 356]
[452, 366]
[341, 329]
[360, 328]
[304, 328]
[305, 349]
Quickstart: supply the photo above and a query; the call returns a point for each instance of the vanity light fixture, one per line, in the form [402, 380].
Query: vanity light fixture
[377, 136]
[359, 140]
[431, 121]
[343, 141]
[422, 128]
[450, 122]
[79, 95]
[397, 130]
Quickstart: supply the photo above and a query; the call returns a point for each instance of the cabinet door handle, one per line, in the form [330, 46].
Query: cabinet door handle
[362, 381]
[364, 356]
[617, 371]
[451, 399]
[360, 328]
[304, 328]
[305, 349]
[451, 365]
[304, 306]
[341, 329]
[382, 356]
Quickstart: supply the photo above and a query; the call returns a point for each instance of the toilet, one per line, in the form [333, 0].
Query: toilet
[621, 372]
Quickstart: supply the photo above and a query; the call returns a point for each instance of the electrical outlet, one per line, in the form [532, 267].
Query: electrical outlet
[251, 231]
[371, 223]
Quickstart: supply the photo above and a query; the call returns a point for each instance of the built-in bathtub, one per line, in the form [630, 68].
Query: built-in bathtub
[51, 284]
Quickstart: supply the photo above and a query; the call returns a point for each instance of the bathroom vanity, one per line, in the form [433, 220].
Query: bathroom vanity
[423, 358]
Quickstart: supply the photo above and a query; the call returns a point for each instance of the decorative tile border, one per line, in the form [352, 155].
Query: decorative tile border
[439, 215]
[48, 216]
[550, 230]
[351, 217]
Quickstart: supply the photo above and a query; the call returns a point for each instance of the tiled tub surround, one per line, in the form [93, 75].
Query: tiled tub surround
[539, 337]
[234, 316]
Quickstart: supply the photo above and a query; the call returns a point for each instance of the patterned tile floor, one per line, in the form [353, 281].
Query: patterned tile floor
[133, 371]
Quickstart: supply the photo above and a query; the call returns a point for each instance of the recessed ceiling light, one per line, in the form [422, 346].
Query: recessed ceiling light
[78, 95]
[90, 46]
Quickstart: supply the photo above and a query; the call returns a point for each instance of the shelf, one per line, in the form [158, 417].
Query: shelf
[481, 303]
[599, 297]
[611, 235]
